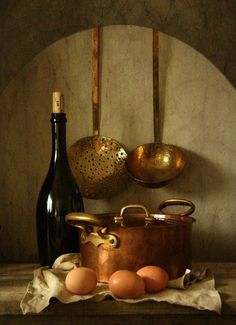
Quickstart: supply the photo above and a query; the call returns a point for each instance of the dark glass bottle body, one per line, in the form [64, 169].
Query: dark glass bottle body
[58, 196]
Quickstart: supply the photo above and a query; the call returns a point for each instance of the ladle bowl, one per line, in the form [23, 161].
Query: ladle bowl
[155, 164]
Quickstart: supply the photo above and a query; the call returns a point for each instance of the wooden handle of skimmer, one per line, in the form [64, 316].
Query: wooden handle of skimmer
[156, 112]
[95, 73]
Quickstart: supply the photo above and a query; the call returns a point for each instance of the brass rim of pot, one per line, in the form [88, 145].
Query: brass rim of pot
[78, 219]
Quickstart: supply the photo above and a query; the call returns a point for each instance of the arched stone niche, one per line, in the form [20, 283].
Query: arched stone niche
[207, 26]
[198, 113]
[27, 28]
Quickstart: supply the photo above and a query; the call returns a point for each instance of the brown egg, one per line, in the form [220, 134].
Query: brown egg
[126, 284]
[81, 281]
[155, 278]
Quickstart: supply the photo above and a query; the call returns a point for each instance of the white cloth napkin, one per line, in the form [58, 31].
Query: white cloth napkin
[196, 288]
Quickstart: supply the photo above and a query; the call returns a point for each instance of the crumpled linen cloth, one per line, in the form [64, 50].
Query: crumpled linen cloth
[196, 288]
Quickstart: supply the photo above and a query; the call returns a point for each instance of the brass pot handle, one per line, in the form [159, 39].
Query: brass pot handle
[120, 219]
[98, 238]
[79, 219]
[75, 219]
[181, 202]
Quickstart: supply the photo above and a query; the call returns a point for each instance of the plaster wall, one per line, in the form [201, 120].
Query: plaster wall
[197, 112]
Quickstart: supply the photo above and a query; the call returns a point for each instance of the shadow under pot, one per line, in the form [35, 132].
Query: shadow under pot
[130, 240]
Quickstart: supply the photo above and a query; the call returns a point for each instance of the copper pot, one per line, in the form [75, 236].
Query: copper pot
[131, 240]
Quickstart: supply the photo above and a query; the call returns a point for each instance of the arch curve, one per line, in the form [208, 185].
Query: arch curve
[27, 28]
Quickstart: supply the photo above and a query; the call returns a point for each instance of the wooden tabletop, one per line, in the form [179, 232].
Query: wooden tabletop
[15, 277]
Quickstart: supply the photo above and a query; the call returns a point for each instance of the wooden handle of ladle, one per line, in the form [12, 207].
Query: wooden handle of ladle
[156, 111]
[95, 74]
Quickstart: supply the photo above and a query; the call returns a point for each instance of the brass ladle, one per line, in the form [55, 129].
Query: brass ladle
[155, 164]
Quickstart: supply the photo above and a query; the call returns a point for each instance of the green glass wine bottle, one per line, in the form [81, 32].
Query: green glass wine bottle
[58, 196]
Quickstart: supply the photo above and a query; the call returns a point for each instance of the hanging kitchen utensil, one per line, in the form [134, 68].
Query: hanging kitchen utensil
[155, 164]
[98, 162]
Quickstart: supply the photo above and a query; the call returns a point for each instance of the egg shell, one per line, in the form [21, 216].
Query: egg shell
[155, 278]
[126, 284]
[81, 280]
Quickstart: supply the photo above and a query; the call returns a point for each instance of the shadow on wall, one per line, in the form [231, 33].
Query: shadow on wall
[201, 177]
[206, 248]
[202, 180]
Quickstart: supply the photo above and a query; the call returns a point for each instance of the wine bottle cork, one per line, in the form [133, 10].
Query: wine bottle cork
[57, 102]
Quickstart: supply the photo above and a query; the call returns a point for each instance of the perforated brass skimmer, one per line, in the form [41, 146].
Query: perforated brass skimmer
[98, 162]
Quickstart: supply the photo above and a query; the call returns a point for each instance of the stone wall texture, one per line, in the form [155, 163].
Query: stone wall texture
[46, 45]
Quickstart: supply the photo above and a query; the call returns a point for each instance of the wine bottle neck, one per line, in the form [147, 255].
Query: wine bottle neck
[58, 121]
